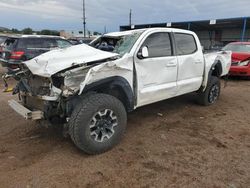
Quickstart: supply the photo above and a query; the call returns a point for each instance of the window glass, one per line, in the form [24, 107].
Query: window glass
[126, 43]
[185, 44]
[2, 39]
[159, 45]
[9, 43]
[235, 47]
[36, 43]
[63, 43]
[49, 43]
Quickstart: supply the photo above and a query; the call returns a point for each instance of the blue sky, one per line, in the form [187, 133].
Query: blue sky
[67, 14]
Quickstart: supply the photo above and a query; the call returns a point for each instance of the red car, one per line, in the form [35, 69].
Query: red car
[240, 58]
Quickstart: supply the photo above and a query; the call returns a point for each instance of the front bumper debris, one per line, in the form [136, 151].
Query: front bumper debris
[25, 112]
[239, 71]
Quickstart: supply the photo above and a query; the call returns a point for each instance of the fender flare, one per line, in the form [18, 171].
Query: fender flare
[215, 66]
[114, 82]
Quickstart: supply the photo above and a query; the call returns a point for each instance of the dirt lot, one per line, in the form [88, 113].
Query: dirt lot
[186, 145]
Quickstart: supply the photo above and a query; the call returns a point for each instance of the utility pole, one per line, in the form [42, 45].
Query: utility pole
[84, 19]
[130, 17]
[105, 29]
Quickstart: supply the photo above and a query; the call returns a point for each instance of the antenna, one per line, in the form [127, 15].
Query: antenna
[84, 19]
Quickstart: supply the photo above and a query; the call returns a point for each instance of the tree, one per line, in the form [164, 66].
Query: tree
[96, 33]
[16, 31]
[27, 31]
[49, 32]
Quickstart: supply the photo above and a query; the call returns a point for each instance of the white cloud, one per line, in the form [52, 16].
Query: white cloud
[113, 13]
[43, 8]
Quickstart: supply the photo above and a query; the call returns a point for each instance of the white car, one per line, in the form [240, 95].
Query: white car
[90, 90]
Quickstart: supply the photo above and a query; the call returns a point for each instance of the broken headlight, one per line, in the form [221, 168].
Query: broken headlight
[39, 85]
[244, 63]
[72, 80]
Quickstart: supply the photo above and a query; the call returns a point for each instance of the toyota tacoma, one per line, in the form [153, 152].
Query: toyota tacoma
[91, 88]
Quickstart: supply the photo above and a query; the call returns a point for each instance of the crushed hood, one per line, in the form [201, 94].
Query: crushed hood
[55, 61]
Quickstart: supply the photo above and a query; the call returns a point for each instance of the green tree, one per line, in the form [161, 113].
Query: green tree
[27, 31]
[16, 31]
[49, 32]
[96, 33]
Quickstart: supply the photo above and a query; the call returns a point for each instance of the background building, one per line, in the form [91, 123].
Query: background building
[78, 34]
[212, 33]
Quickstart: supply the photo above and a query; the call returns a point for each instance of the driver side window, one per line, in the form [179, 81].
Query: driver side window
[159, 45]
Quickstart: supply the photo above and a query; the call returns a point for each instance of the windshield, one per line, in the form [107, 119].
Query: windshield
[125, 44]
[237, 48]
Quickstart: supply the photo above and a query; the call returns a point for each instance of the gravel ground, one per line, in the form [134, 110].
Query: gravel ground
[174, 143]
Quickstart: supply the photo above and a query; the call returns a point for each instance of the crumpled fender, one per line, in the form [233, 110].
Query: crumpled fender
[211, 60]
[122, 67]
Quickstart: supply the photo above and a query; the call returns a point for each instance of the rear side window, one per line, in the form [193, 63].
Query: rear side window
[159, 45]
[36, 43]
[10, 43]
[2, 39]
[185, 44]
[63, 43]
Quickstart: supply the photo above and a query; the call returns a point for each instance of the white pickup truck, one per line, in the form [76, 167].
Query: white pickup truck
[90, 90]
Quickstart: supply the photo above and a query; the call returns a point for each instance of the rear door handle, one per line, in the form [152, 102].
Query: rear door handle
[171, 64]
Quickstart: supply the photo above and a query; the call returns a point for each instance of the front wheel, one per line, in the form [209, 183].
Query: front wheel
[98, 123]
[212, 92]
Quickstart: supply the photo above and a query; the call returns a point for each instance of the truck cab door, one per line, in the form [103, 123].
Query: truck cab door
[157, 72]
[191, 63]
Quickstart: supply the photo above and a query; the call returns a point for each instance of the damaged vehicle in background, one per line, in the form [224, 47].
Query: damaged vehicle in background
[91, 90]
[240, 58]
[17, 49]
[2, 40]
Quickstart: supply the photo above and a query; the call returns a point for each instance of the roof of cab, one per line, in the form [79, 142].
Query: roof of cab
[129, 32]
[35, 36]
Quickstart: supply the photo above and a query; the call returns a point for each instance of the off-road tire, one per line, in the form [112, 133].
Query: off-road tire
[82, 116]
[204, 97]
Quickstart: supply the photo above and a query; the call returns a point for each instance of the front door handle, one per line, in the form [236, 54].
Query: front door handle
[198, 61]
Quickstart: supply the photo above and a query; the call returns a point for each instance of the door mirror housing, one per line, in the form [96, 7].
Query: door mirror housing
[143, 53]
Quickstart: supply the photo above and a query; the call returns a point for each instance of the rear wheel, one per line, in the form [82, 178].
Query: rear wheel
[212, 92]
[98, 123]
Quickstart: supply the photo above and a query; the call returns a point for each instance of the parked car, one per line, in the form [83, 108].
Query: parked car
[17, 49]
[92, 90]
[74, 41]
[216, 48]
[240, 58]
[85, 40]
[2, 40]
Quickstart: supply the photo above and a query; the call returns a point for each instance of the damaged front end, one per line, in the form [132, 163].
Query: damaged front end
[53, 83]
[48, 98]
[39, 98]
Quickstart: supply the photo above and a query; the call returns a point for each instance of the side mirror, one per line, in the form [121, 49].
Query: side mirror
[143, 53]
